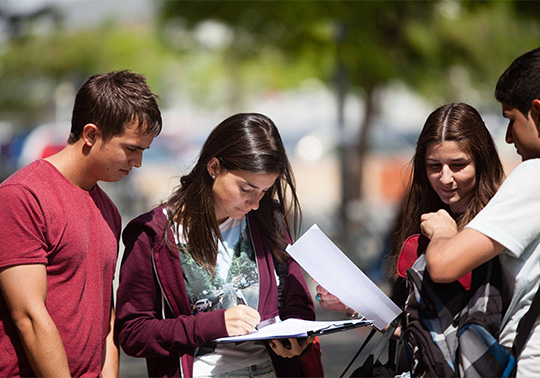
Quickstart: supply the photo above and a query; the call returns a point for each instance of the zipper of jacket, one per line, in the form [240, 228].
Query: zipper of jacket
[163, 300]
[163, 296]
[277, 278]
[256, 259]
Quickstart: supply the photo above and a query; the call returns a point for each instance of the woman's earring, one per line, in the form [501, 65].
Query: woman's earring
[214, 176]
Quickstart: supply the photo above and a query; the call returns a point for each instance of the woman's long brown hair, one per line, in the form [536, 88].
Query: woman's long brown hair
[462, 124]
[249, 142]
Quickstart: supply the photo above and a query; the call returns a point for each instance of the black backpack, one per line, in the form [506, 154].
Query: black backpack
[441, 319]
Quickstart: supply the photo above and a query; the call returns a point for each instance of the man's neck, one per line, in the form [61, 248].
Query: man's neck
[71, 163]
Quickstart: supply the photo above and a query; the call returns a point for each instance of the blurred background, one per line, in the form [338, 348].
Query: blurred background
[348, 83]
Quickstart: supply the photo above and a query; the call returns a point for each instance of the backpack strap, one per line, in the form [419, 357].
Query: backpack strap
[525, 325]
[377, 349]
[366, 341]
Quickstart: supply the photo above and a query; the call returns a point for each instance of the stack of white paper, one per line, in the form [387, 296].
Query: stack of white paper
[334, 271]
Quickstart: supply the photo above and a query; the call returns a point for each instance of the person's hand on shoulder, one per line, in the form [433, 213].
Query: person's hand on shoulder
[241, 319]
[439, 224]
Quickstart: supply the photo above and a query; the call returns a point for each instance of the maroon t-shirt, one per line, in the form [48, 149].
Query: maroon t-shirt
[46, 219]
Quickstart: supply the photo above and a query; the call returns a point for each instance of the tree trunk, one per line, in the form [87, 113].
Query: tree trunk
[363, 142]
[353, 157]
[341, 82]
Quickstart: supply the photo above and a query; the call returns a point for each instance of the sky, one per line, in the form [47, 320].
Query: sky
[84, 12]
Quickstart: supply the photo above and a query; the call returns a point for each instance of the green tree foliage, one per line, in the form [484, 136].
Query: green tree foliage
[36, 60]
[367, 37]
[468, 46]
[359, 46]
[445, 49]
[254, 39]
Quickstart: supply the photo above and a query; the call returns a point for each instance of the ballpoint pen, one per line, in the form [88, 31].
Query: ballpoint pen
[240, 299]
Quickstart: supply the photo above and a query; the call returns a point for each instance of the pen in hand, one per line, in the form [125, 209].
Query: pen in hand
[240, 299]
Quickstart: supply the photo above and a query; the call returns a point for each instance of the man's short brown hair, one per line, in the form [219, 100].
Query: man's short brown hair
[111, 101]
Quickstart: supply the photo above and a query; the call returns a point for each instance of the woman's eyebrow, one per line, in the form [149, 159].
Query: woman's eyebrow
[255, 186]
[463, 158]
[252, 185]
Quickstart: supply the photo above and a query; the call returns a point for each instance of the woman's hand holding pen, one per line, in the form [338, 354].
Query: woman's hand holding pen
[292, 348]
[241, 319]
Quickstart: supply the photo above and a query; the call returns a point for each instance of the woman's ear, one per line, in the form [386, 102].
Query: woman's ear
[90, 134]
[213, 167]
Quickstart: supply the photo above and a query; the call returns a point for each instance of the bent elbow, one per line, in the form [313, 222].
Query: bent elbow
[128, 342]
[23, 322]
[30, 322]
[131, 347]
[440, 271]
[441, 276]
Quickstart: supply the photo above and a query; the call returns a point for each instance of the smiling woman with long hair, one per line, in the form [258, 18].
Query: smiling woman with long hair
[210, 262]
[455, 167]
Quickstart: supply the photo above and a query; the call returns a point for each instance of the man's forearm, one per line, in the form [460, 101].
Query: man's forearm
[450, 258]
[436, 256]
[24, 288]
[440, 228]
[43, 346]
[110, 365]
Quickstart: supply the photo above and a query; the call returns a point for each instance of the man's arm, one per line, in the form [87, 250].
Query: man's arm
[109, 366]
[24, 288]
[450, 254]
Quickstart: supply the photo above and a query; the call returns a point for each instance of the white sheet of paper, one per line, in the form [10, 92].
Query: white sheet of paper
[290, 328]
[334, 271]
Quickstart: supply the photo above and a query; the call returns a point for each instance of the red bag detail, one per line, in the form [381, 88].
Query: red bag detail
[412, 248]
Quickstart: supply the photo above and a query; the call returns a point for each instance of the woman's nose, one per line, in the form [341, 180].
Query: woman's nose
[253, 204]
[253, 200]
[446, 175]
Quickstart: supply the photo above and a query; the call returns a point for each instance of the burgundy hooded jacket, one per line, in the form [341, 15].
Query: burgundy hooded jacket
[154, 317]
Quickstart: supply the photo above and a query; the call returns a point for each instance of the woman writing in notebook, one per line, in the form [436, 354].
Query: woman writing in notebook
[210, 262]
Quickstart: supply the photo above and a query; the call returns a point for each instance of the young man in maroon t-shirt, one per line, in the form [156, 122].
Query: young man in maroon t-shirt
[60, 235]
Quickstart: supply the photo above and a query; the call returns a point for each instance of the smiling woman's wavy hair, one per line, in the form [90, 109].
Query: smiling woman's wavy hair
[460, 123]
[248, 142]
